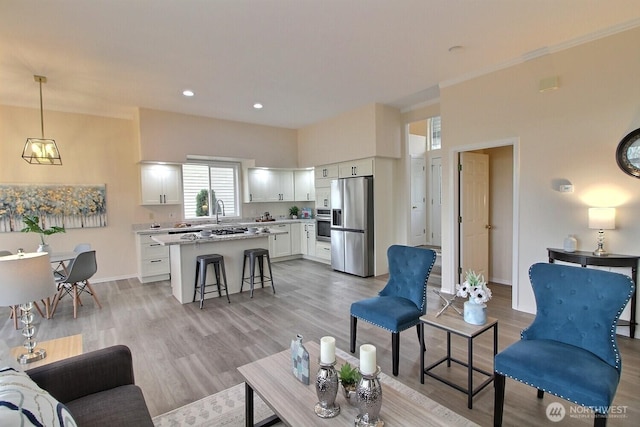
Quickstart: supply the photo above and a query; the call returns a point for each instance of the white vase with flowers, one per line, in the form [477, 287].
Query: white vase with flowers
[474, 287]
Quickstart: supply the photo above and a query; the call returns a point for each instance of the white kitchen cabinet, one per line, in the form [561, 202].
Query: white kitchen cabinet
[323, 197]
[324, 174]
[363, 167]
[160, 184]
[323, 251]
[308, 239]
[153, 259]
[304, 188]
[296, 239]
[280, 244]
[270, 185]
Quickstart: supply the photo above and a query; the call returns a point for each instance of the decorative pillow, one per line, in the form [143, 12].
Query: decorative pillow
[24, 403]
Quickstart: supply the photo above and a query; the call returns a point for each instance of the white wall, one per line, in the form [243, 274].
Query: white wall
[571, 133]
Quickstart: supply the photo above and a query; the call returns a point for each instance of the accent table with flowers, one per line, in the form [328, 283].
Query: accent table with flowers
[453, 324]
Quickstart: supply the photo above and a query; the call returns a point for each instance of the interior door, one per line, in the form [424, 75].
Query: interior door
[474, 213]
[435, 179]
[418, 202]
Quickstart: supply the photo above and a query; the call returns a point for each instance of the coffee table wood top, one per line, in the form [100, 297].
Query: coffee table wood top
[271, 378]
[57, 349]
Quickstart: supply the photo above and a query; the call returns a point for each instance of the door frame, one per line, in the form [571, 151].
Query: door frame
[455, 189]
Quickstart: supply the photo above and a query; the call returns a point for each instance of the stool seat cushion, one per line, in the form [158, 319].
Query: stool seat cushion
[564, 370]
[212, 257]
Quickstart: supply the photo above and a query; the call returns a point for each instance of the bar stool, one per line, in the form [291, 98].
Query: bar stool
[252, 255]
[202, 261]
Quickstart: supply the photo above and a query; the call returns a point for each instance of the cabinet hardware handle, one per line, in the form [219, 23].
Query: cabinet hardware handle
[160, 198]
[155, 244]
[156, 260]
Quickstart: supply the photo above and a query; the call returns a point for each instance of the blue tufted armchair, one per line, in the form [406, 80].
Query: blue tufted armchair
[402, 301]
[570, 350]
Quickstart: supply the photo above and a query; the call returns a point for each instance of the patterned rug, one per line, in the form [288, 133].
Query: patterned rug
[225, 408]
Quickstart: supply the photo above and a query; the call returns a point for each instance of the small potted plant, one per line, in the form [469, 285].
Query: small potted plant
[349, 377]
[294, 211]
[33, 226]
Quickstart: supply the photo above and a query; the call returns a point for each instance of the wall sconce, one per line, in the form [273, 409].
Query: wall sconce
[602, 219]
[41, 151]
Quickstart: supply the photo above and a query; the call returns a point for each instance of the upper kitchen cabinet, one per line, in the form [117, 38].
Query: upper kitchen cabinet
[270, 185]
[304, 185]
[363, 167]
[161, 184]
[324, 174]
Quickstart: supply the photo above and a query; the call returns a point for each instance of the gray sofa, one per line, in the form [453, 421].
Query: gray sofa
[97, 387]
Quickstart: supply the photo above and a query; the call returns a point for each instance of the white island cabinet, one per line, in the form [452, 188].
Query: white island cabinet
[183, 255]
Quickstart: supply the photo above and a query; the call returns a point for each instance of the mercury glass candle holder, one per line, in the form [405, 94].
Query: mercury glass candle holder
[369, 398]
[327, 390]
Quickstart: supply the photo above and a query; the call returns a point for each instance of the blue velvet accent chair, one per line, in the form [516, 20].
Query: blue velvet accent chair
[402, 301]
[570, 350]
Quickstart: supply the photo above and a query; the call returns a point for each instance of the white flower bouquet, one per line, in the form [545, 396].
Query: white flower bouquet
[474, 287]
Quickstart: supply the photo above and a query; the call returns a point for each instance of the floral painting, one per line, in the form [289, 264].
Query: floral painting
[68, 206]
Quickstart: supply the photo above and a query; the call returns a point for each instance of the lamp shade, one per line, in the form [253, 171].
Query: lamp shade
[602, 218]
[25, 278]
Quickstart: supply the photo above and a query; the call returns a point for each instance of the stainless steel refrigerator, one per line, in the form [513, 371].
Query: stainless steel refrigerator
[352, 225]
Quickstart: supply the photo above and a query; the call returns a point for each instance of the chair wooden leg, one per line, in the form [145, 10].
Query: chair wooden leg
[600, 420]
[540, 394]
[56, 300]
[14, 315]
[74, 289]
[93, 293]
[395, 352]
[424, 347]
[498, 403]
[354, 327]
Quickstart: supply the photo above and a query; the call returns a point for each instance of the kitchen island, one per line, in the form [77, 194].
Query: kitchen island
[184, 248]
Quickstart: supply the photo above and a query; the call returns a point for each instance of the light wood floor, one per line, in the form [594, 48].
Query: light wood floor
[182, 354]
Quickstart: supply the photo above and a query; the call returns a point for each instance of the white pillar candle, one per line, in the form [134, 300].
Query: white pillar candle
[327, 350]
[368, 364]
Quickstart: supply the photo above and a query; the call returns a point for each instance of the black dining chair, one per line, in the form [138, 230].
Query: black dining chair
[80, 270]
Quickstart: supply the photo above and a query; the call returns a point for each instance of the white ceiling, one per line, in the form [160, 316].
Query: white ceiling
[305, 60]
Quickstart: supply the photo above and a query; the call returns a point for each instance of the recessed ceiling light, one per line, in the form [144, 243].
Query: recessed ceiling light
[257, 106]
[188, 92]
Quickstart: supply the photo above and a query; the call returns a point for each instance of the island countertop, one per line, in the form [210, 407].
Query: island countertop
[195, 238]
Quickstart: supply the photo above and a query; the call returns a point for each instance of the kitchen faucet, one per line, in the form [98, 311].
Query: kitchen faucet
[216, 209]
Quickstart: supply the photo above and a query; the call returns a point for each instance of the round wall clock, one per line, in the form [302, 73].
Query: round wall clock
[628, 154]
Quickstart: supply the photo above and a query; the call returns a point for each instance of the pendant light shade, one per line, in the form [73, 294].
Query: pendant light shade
[41, 151]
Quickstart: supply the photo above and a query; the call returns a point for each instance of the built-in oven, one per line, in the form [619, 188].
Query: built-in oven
[323, 225]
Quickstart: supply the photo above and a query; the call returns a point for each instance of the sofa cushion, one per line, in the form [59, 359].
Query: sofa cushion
[23, 403]
[120, 406]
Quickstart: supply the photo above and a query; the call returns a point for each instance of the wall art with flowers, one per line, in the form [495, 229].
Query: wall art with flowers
[67, 206]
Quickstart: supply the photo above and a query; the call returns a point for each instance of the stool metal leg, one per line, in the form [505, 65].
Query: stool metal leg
[216, 268]
[224, 277]
[271, 274]
[244, 266]
[203, 279]
[252, 267]
[195, 287]
[261, 268]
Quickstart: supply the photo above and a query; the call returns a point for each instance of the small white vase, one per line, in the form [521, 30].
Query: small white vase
[475, 314]
[44, 248]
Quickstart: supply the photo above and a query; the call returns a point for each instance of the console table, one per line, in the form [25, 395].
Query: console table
[585, 258]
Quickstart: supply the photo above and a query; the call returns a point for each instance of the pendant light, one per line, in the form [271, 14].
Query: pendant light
[41, 151]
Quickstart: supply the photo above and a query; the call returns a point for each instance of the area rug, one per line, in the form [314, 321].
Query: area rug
[225, 408]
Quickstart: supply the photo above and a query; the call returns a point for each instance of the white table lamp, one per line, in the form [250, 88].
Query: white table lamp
[24, 278]
[602, 219]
